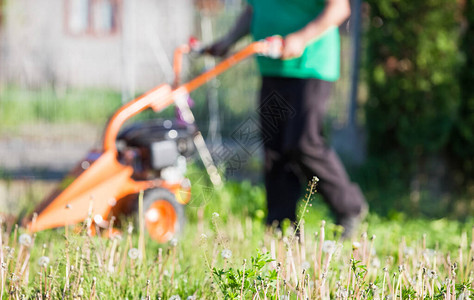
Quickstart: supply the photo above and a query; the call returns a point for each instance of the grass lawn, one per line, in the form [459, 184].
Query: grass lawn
[228, 253]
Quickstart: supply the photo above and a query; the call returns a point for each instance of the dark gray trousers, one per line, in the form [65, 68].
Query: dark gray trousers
[292, 112]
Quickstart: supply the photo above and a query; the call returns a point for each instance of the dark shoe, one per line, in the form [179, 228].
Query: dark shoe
[351, 223]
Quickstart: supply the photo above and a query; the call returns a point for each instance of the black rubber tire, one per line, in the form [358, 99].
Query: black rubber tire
[152, 195]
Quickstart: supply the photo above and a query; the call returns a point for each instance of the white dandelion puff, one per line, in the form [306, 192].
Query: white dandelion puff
[408, 251]
[375, 263]
[430, 253]
[174, 242]
[226, 254]
[215, 215]
[25, 240]
[305, 265]
[432, 274]
[134, 253]
[43, 261]
[175, 297]
[329, 246]
[355, 245]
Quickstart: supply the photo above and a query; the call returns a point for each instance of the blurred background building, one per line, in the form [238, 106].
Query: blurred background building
[91, 43]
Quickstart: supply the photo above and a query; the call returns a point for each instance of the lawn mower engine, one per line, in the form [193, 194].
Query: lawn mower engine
[151, 157]
[158, 150]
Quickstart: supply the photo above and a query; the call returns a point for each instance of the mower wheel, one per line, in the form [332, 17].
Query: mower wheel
[164, 216]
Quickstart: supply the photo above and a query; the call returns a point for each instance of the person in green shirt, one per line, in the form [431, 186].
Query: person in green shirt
[293, 100]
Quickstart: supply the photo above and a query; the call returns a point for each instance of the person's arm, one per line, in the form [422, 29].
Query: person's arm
[334, 14]
[240, 29]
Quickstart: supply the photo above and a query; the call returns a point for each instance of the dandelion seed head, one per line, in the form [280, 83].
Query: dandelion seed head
[329, 246]
[226, 254]
[429, 252]
[43, 261]
[175, 297]
[174, 242]
[432, 274]
[305, 265]
[25, 240]
[409, 251]
[191, 298]
[356, 245]
[215, 215]
[133, 253]
[375, 263]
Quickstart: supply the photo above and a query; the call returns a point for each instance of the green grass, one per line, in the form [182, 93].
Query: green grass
[22, 106]
[410, 257]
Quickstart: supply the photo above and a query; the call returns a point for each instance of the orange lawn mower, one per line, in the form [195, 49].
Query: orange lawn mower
[148, 158]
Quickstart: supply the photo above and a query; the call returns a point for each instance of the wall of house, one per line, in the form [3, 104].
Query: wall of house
[42, 46]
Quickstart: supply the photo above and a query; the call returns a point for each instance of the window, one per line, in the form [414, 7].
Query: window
[1, 13]
[92, 17]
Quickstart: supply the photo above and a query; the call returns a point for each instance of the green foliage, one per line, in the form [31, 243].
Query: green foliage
[411, 73]
[462, 140]
[232, 281]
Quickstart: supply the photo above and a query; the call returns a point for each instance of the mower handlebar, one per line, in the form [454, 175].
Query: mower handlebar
[164, 95]
[270, 47]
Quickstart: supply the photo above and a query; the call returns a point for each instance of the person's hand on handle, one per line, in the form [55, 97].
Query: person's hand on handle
[293, 46]
[333, 15]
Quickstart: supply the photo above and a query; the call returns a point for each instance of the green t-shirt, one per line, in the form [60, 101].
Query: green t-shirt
[281, 17]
